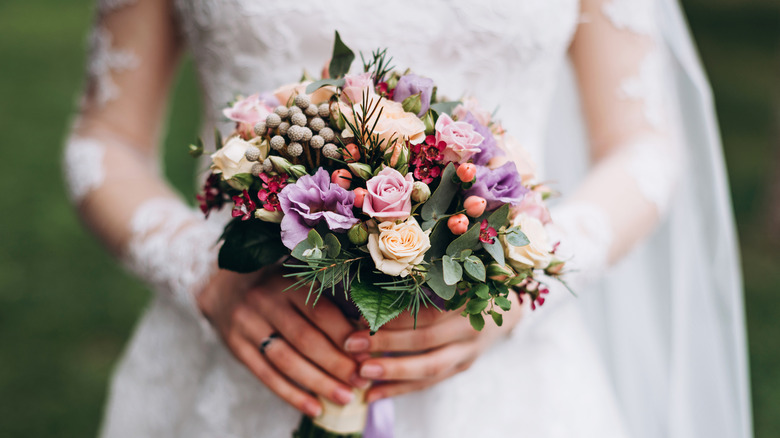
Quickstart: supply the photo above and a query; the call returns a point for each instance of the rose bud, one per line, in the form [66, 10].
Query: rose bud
[351, 153]
[361, 170]
[499, 272]
[342, 178]
[466, 172]
[555, 268]
[358, 234]
[420, 192]
[475, 206]
[360, 195]
[458, 224]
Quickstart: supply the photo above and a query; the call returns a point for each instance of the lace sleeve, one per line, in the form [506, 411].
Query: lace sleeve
[111, 160]
[636, 160]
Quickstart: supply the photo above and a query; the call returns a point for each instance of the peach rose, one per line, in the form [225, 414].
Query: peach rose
[398, 248]
[230, 160]
[538, 253]
[285, 92]
[520, 155]
[394, 122]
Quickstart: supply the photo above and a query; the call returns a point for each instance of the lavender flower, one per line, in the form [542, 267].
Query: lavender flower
[311, 200]
[498, 186]
[488, 147]
[412, 84]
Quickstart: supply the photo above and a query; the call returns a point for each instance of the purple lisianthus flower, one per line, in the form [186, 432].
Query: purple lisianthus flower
[488, 148]
[311, 200]
[498, 186]
[412, 84]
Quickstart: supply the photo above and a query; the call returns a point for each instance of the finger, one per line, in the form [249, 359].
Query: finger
[300, 370]
[429, 365]
[312, 343]
[325, 315]
[392, 389]
[247, 353]
[432, 336]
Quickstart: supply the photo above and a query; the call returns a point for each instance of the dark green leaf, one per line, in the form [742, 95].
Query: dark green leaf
[341, 60]
[467, 240]
[250, 245]
[465, 254]
[316, 85]
[453, 272]
[475, 268]
[496, 250]
[482, 291]
[498, 218]
[440, 200]
[314, 239]
[476, 306]
[444, 107]
[497, 317]
[332, 245]
[412, 104]
[375, 304]
[503, 303]
[435, 280]
[217, 138]
[477, 321]
[515, 237]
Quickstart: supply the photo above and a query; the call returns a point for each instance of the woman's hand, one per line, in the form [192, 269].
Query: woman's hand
[248, 308]
[444, 344]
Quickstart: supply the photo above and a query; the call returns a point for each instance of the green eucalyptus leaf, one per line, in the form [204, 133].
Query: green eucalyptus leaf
[436, 206]
[467, 240]
[316, 85]
[503, 303]
[515, 237]
[477, 321]
[496, 250]
[250, 245]
[497, 317]
[498, 218]
[475, 268]
[465, 254]
[315, 239]
[341, 60]
[439, 237]
[435, 280]
[332, 245]
[453, 271]
[444, 107]
[377, 305]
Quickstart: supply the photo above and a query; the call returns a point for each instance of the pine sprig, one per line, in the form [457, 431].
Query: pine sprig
[378, 65]
[410, 286]
[324, 273]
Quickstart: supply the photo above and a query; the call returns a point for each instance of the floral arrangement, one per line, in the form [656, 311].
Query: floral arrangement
[372, 187]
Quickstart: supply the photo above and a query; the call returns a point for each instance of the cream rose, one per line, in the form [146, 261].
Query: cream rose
[397, 248]
[537, 254]
[393, 123]
[285, 92]
[230, 159]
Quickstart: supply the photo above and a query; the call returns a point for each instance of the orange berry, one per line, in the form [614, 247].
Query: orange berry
[342, 177]
[466, 172]
[475, 206]
[458, 224]
[360, 195]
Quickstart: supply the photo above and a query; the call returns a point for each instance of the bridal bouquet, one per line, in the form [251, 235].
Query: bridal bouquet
[372, 188]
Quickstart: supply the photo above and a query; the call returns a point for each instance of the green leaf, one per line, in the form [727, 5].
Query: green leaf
[496, 250]
[453, 272]
[341, 60]
[477, 321]
[498, 218]
[440, 237]
[497, 317]
[316, 85]
[302, 251]
[412, 104]
[217, 139]
[465, 254]
[503, 303]
[515, 237]
[314, 239]
[241, 181]
[444, 107]
[250, 245]
[332, 245]
[435, 280]
[475, 268]
[482, 291]
[437, 205]
[196, 150]
[467, 240]
[476, 306]
[375, 304]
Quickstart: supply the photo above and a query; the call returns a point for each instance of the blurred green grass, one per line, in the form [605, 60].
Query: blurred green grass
[66, 309]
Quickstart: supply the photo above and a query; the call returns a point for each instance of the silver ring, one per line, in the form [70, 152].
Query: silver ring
[266, 342]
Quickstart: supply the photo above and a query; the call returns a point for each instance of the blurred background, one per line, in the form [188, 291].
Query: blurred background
[66, 309]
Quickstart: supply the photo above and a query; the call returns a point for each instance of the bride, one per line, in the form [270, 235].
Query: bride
[652, 346]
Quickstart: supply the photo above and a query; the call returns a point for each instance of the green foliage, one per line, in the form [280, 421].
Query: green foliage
[515, 237]
[497, 318]
[503, 303]
[453, 271]
[444, 107]
[241, 181]
[379, 65]
[412, 104]
[440, 200]
[468, 240]
[435, 280]
[496, 250]
[316, 85]
[475, 268]
[196, 150]
[477, 321]
[250, 245]
[377, 305]
[476, 305]
[341, 60]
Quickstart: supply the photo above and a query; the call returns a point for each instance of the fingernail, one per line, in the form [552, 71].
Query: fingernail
[342, 396]
[371, 371]
[312, 409]
[374, 396]
[359, 382]
[354, 345]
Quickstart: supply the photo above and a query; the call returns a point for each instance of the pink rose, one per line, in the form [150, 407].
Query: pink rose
[533, 206]
[285, 92]
[389, 196]
[471, 105]
[355, 86]
[246, 113]
[460, 137]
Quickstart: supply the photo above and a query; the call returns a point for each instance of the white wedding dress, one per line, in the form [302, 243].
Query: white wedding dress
[558, 374]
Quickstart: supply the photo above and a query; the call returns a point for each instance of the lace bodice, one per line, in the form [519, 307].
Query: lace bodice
[508, 60]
